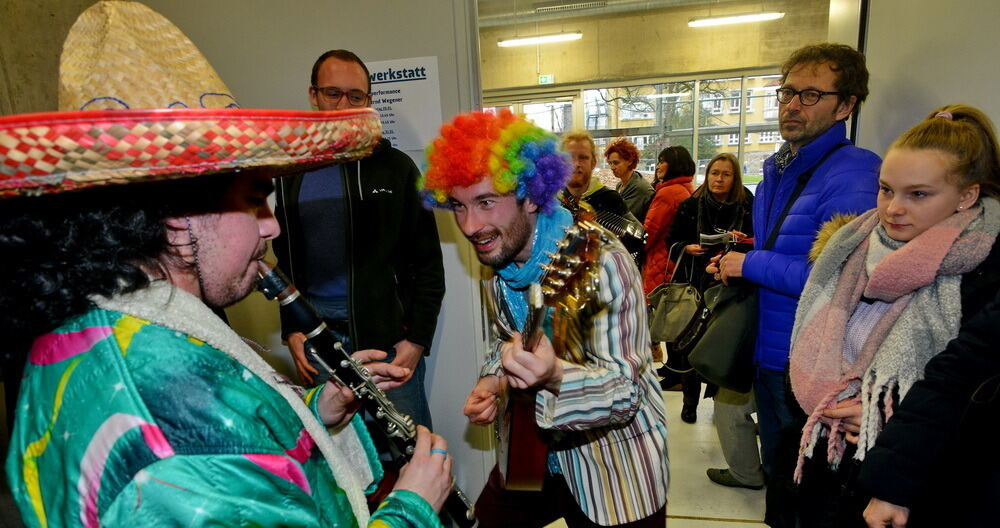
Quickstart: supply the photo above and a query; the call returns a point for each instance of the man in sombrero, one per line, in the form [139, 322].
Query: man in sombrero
[138, 406]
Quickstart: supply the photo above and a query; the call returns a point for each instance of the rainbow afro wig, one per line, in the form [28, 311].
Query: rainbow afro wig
[519, 157]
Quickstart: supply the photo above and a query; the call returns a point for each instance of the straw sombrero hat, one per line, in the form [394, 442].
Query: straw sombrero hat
[139, 102]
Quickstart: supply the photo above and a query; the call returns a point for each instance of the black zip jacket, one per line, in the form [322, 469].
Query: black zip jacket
[395, 273]
[938, 453]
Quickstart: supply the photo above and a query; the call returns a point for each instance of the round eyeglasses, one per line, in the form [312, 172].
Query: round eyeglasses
[333, 94]
[807, 97]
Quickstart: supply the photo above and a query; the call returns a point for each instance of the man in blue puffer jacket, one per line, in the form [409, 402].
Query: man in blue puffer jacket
[821, 86]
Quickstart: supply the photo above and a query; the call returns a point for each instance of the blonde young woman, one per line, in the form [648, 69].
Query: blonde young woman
[888, 291]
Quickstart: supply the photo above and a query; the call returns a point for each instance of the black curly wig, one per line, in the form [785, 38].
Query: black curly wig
[60, 250]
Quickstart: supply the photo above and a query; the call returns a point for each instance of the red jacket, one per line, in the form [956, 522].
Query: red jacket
[659, 218]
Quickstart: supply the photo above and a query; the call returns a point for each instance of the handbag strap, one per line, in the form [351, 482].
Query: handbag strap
[799, 187]
[670, 250]
[677, 263]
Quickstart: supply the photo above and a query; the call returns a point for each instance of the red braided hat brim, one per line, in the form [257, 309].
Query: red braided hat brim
[63, 151]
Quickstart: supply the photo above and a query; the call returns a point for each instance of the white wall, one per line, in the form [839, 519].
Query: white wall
[844, 21]
[923, 54]
[264, 51]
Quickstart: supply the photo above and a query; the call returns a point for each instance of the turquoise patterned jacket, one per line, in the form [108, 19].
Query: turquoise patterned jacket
[150, 411]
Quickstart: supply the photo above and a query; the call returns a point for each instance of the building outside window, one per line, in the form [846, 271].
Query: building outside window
[556, 116]
[770, 106]
[595, 109]
[734, 101]
[713, 105]
[770, 136]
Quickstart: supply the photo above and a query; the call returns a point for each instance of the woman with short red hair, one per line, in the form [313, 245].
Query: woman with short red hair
[623, 157]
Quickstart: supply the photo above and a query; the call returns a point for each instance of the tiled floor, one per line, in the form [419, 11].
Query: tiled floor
[694, 501]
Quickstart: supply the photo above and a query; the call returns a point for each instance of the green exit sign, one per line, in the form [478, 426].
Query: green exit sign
[546, 79]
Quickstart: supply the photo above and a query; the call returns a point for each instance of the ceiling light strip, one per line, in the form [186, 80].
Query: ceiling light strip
[558, 7]
[540, 39]
[734, 19]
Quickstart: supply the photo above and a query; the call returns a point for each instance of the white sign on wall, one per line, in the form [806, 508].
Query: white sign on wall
[407, 95]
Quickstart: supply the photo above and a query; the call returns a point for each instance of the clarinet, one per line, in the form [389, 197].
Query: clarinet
[326, 349]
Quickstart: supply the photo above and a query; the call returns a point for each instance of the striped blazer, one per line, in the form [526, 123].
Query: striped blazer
[608, 422]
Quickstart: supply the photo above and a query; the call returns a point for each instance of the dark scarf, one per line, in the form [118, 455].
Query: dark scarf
[784, 157]
[711, 212]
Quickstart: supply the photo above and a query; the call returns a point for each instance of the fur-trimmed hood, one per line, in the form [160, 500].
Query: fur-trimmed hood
[826, 231]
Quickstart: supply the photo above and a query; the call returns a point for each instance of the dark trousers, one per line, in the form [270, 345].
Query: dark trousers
[691, 388]
[780, 421]
[776, 413]
[500, 508]
[830, 498]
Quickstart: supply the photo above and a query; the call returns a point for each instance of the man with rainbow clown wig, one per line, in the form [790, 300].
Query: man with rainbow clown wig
[598, 402]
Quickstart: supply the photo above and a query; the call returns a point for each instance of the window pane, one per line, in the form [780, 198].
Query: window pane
[655, 116]
[495, 109]
[595, 109]
[735, 101]
[713, 123]
[675, 106]
[652, 116]
[556, 116]
[764, 139]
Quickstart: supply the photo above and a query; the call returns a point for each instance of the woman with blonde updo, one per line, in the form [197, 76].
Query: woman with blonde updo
[888, 291]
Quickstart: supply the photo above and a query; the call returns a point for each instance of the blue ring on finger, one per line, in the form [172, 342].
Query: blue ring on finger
[441, 451]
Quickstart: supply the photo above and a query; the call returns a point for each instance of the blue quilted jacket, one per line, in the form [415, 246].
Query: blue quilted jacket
[846, 183]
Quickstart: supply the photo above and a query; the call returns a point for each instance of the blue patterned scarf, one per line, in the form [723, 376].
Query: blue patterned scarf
[514, 279]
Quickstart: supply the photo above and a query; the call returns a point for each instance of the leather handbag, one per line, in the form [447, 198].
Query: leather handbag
[676, 306]
[724, 353]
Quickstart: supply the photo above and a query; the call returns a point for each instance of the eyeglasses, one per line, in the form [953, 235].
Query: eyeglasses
[334, 94]
[807, 97]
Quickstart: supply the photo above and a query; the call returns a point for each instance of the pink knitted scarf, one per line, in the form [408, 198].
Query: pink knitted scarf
[818, 371]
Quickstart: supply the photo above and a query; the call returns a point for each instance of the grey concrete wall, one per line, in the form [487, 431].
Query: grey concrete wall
[31, 37]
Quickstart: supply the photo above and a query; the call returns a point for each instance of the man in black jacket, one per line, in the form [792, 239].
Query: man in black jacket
[936, 457]
[357, 242]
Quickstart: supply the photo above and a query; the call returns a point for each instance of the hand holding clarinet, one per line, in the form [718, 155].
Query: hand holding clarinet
[358, 381]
